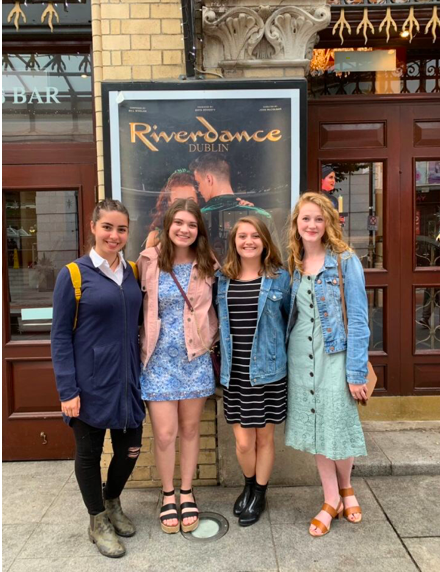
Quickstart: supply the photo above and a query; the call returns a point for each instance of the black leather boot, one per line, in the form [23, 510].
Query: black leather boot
[244, 498]
[255, 507]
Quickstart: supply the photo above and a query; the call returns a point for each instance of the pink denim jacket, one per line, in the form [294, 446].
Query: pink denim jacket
[200, 295]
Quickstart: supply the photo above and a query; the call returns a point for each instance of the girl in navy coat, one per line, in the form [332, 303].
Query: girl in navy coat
[96, 362]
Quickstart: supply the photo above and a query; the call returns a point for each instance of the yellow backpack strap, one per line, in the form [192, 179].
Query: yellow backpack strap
[75, 276]
[134, 268]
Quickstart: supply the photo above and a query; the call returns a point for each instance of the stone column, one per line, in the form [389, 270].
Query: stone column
[247, 40]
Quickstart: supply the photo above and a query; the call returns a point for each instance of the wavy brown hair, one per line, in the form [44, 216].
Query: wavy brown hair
[270, 257]
[204, 255]
[332, 238]
[180, 178]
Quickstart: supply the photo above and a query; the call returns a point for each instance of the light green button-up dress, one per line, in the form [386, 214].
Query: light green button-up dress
[322, 416]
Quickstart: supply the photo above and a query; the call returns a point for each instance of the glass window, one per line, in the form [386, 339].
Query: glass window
[47, 97]
[42, 236]
[375, 298]
[427, 330]
[427, 213]
[356, 190]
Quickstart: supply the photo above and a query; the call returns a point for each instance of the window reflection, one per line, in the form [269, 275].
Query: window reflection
[427, 214]
[47, 97]
[427, 330]
[42, 236]
[375, 318]
[357, 192]
[416, 72]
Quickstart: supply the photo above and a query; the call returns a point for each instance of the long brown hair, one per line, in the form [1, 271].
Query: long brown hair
[204, 255]
[180, 178]
[270, 257]
[332, 238]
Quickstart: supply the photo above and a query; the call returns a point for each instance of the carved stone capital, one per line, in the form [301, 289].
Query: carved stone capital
[292, 31]
[239, 31]
[250, 37]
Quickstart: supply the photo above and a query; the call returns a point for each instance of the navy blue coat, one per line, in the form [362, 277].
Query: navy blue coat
[99, 361]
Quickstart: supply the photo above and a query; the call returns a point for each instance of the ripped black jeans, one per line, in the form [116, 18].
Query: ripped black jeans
[89, 443]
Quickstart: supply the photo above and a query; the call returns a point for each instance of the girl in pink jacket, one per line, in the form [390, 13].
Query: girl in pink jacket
[177, 333]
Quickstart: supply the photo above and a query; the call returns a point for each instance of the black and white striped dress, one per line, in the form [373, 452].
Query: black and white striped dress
[251, 406]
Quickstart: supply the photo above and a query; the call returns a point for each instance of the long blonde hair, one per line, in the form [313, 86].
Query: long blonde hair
[270, 257]
[332, 238]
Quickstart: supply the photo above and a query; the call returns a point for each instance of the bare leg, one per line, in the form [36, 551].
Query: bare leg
[163, 416]
[265, 453]
[190, 412]
[344, 469]
[246, 449]
[329, 480]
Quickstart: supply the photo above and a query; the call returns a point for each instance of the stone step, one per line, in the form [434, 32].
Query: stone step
[401, 448]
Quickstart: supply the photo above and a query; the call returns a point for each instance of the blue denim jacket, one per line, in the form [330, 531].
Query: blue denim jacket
[328, 298]
[268, 356]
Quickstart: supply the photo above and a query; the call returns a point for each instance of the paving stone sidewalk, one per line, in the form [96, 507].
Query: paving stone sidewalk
[45, 528]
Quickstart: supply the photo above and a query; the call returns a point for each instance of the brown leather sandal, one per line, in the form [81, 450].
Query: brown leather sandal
[334, 513]
[352, 509]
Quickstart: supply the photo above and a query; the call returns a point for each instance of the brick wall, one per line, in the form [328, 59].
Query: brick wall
[137, 40]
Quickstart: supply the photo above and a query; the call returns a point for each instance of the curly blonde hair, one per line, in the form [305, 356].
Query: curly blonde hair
[332, 238]
[270, 257]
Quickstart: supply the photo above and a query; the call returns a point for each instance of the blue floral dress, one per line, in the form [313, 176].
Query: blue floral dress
[169, 376]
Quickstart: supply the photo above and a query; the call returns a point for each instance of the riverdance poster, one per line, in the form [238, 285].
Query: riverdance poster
[236, 151]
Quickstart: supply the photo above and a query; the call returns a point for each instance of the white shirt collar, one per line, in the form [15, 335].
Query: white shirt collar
[98, 261]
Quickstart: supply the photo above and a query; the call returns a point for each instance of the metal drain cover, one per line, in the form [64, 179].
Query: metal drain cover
[212, 526]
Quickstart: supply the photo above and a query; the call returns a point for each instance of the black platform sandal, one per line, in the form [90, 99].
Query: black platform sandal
[169, 516]
[195, 524]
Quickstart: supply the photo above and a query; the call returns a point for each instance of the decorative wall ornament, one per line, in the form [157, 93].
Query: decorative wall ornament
[292, 31]
[50, 12]
[265, 36]
[434, 22]
[239, 31]
[364, 25]
[341, 24]
[17, 13]
[410, 26]
[388, 22]
[412, 22]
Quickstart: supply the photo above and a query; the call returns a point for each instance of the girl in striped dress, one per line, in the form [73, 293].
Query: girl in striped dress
[253, 302]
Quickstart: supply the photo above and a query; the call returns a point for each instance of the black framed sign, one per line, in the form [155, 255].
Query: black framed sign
[237, 148]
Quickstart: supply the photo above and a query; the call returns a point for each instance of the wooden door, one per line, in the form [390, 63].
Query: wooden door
[420, 247]
[46, 209]
[381, 138]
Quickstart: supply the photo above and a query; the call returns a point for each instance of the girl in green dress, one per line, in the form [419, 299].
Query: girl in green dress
[327, 368]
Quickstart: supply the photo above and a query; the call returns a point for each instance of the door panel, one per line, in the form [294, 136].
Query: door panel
[46, 209]
[362, 142]
[420, 253]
